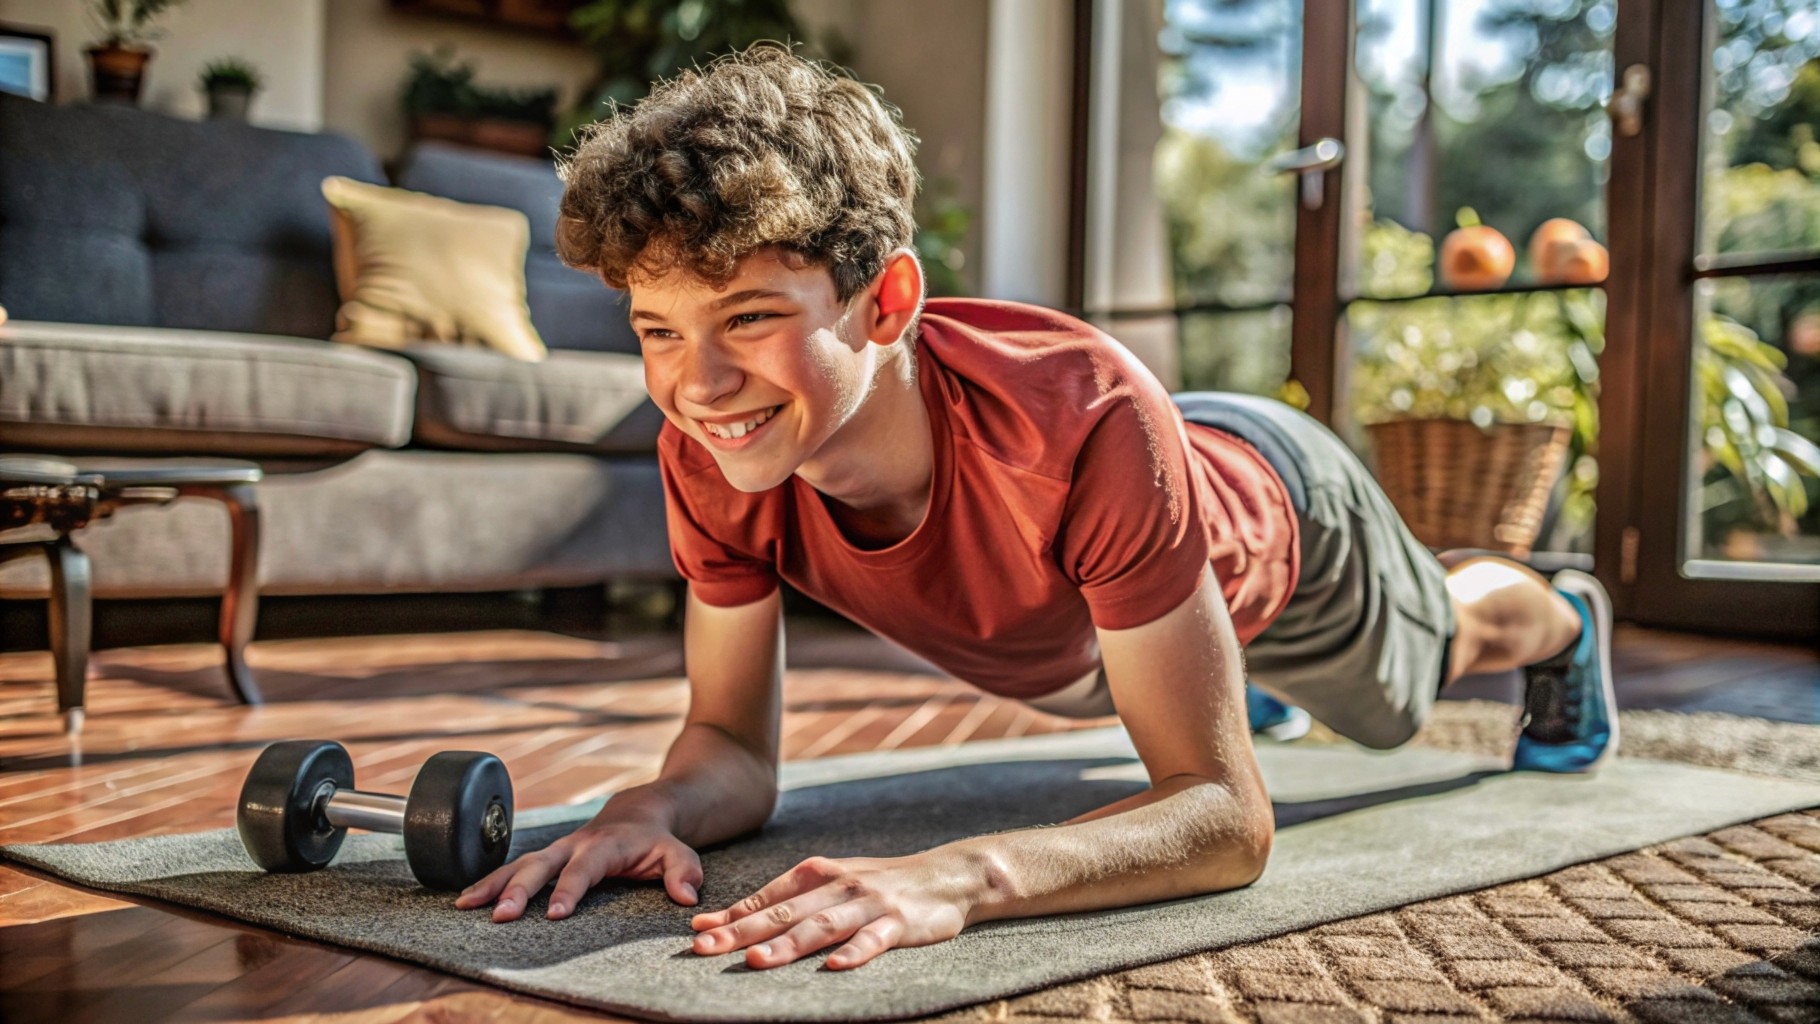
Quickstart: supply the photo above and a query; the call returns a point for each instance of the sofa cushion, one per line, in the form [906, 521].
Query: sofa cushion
[74, 387]
[414, 267]
[476, 400]
[571, 309]
[113, 215]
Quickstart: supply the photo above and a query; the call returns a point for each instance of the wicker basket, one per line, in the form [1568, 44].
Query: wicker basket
[1461, 486]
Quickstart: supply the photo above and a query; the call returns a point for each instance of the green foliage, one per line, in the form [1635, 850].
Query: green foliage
[1522, 358]
[1231, 227]
[231, 73]
[639, 42]
[1231, 230]
[942, 221]
[1757, 468]
[440, 84]
[1762, 195]
[128, 22]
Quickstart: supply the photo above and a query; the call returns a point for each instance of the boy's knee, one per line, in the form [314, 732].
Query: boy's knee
[1383, 732]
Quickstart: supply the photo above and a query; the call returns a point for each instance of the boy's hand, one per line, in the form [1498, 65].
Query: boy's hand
[603, 848]
[868, 904]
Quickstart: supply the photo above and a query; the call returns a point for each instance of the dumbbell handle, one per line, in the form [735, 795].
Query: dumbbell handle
[375, 812]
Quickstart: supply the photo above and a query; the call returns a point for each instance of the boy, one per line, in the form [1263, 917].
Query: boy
[1007, 492]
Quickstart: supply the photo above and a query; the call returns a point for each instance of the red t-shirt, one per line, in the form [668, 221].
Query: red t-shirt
[1068, 494]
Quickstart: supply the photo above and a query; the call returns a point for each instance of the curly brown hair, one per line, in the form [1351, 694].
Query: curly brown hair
[761, 148]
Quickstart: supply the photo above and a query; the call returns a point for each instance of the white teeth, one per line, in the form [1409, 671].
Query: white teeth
[739, 430]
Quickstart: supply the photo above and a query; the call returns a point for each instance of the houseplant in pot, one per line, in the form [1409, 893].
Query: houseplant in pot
[1474, 405]
[230, 85]
[117, 60]
[444, 102]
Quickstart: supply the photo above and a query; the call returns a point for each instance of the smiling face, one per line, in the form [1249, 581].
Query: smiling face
[765, 371]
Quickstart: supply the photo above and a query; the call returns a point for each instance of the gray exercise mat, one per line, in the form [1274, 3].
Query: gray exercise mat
[1359, 832]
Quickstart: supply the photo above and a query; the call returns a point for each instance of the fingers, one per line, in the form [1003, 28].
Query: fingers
[588, 866]
[820, 930]
[482, 892]
[682, 874]
[868, 942]
[515, 884]
[811, 910]
[805, 877]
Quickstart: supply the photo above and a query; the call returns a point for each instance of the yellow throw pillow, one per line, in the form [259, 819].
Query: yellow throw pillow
[412, 267]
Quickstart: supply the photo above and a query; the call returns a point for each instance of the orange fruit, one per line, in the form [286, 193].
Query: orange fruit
[1552, 245]
[1582, 262]
[1476, 258]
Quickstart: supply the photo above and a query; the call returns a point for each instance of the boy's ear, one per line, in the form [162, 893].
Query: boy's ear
[899, 292]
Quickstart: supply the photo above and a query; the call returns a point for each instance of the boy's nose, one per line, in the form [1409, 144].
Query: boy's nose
[708, 377]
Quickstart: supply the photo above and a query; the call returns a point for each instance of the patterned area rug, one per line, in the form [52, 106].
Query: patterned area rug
[1706, 930]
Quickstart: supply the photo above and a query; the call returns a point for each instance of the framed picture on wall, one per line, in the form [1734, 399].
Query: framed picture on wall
[25, 62]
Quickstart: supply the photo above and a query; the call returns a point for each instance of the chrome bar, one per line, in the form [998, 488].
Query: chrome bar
[375, 812]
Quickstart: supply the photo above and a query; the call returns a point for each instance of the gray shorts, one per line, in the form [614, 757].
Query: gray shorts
[1362, 645]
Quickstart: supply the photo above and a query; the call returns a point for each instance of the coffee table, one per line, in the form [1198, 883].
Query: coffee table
[68, 494]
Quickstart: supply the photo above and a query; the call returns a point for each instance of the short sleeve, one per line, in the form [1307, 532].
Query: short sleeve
[718, 574]
[1131, 536]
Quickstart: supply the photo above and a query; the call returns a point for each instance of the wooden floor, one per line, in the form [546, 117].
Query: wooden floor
[165, 751]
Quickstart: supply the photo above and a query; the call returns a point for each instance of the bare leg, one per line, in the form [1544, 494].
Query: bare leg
[1506, 616]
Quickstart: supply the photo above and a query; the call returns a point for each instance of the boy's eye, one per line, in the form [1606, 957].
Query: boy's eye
[743, 319]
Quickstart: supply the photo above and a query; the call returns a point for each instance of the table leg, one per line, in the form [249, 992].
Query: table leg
[71, 627]
[71, 619]
[240, 602]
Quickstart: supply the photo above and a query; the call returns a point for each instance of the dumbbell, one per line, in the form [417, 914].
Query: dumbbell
[299, 801]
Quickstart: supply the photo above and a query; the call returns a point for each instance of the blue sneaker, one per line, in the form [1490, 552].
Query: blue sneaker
[1570, 721]
[1273, 718]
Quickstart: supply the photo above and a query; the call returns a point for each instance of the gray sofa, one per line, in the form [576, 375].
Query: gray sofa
[170, 288]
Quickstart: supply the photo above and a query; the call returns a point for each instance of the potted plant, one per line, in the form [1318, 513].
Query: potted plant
[1474, 404]
[230, 84]
[443, 101]
[1752, 470]
[118, 58]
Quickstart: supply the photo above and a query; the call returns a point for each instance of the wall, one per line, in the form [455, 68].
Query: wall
[368, 50]
[944, 101]
[283, 39]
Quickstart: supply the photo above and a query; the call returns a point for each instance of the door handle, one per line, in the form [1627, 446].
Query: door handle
[1626, 103]
[1311, 162]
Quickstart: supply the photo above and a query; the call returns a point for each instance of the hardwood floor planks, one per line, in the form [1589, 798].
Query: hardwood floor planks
[574, 718]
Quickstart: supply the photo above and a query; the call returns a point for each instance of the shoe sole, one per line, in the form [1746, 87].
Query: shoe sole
[1593, 593]
[1293, 728]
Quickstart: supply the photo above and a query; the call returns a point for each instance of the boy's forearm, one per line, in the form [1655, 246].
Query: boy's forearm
[1183, 837]
[712, 787]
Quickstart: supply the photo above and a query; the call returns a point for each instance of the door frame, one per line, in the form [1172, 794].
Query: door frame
[1641, 532]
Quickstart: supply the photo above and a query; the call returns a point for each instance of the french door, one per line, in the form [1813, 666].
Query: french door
[1267, 183]
[1723, 407]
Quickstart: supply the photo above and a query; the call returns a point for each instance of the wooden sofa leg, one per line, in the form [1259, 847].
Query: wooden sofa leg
[71, 626]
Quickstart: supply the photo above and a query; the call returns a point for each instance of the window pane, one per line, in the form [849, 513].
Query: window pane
[1510, 123]
[1489, 359]
[1246, 352]
[1762, 161]
[1754, 421]
[1230, 87]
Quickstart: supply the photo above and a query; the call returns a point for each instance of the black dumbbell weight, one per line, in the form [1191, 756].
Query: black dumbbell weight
[299, 801]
